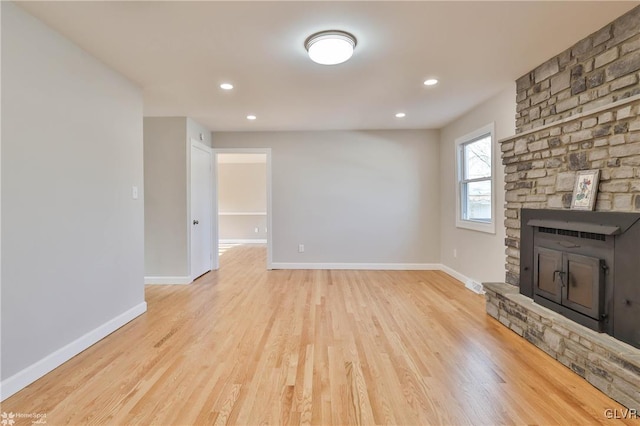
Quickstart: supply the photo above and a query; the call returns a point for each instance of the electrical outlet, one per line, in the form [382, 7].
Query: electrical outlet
[134, 192]
[300, 248]
[455, 253]
[256, 229]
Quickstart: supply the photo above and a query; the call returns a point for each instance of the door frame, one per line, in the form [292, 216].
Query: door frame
[194, 143]
[267, 152]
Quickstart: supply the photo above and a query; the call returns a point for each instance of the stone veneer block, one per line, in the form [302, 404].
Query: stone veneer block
[608, 364]
[546, 70]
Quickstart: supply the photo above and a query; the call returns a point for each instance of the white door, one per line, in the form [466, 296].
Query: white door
[201, 210]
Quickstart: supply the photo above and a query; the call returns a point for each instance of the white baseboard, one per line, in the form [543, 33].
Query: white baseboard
[360, 266]
[244, 241]
[455, 274]
[35, 371]
[168, 280]
[469, 283]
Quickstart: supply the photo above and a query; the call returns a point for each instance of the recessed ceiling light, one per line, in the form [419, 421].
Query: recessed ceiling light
[226, 86]
[401, 115]
[430, 82]
[251, 117]
[330, 47]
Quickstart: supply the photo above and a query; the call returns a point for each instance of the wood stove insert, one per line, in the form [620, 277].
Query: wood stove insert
[585, 266]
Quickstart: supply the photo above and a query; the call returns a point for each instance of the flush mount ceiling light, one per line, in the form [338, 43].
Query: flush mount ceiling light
[430, 82]
[330, 47]
[251, 117]
[401, 115]
[226, 86]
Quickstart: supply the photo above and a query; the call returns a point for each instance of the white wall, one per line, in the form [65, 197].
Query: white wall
[165, 203]
[72, 236]
[480, 256]
[351, 196]
[242, 188]
[167, 144]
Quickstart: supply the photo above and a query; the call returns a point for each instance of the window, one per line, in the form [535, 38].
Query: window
[475, 192]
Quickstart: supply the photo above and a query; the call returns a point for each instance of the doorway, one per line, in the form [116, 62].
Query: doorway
[243, 199]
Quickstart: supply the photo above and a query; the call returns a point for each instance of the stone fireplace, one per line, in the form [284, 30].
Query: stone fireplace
[572, 280]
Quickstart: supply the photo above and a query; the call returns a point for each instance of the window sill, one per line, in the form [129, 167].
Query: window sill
[488, 228]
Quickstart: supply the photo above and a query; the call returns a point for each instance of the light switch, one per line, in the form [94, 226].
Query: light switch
[134, 192]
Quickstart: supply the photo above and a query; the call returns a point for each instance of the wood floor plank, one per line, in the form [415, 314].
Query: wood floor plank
[243, 345]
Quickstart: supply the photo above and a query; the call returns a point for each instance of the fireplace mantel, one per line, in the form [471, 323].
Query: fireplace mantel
[610, 106]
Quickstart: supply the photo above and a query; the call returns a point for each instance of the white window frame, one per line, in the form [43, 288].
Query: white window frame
[475, 225]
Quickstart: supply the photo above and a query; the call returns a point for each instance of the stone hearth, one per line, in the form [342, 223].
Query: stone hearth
[608, 364]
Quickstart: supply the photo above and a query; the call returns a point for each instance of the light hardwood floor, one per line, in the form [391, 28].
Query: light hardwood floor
[248, 346]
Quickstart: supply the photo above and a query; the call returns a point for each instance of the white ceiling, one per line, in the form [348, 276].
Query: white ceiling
[179, 53]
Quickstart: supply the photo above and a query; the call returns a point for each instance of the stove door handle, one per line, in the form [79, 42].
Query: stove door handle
[560, 274]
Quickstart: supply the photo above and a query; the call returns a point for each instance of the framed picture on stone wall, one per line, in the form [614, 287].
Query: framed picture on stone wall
[585, 190]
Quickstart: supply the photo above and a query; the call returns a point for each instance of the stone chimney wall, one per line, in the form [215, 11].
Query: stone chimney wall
[580, 110]
[594, 72]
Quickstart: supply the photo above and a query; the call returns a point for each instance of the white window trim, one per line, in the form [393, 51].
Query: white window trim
[488, 227]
